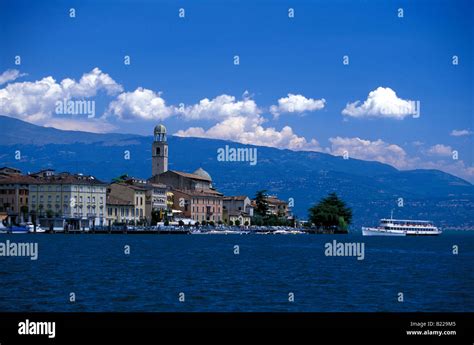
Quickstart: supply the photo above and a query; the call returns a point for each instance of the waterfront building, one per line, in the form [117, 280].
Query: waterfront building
[119, 211]
[76, 200]
[277, 207]
[156, 199]
[193, 193]
[237, 208]
[14, 195]
[199, 205]
[133, 193]
[155, 196]
[231, 217]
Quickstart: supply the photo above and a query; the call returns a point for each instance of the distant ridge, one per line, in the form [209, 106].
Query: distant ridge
[371, 188]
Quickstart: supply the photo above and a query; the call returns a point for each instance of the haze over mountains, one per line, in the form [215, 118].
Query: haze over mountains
[373, 189]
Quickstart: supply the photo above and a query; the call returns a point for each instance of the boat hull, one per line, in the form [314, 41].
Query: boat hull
[17, 230]
[383, 232]
[379, 232]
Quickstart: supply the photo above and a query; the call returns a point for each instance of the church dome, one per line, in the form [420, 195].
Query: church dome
[160, 129]
[203, 173]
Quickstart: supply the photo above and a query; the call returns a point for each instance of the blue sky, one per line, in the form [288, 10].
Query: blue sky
[186, 60]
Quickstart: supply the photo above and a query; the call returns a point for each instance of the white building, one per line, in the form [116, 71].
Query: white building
[77, 199]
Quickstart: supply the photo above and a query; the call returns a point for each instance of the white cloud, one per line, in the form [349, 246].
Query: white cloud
[240, 121]
[377, 150]
[460, 132]
[396, 156]
[450, 166]
[141, 103]
[250, 131]
[296, 104]
[440, 150]
[382, 103]
[90, 83]
[10, 75]
[35, 101]
[221, 107]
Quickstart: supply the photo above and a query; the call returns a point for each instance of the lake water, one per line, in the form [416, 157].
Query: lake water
[260, 278]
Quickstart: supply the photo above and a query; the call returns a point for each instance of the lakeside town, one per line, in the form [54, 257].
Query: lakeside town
[168, 202]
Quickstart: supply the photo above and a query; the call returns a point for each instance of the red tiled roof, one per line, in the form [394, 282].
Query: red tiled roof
[113, 200]
[16, 179]
[67, 179]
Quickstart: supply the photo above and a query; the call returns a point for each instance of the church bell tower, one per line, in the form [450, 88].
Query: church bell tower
[159, 151]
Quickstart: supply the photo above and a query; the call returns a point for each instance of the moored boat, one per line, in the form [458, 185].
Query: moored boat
[31, 228]
[402, 227]
[17, 229]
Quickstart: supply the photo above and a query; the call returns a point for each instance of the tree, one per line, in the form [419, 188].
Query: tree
[257, 220]
[231, 223]
[24, 211]
[237, 222]
[331, 213]
[155, 216]
[261, 208]
[181, 223]
[246, 223]
[33, 216]
[121, 178]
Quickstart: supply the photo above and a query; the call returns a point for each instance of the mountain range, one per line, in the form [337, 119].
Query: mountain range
[372, 189]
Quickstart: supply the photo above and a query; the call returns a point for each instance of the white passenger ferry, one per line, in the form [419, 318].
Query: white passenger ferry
[402, 227]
